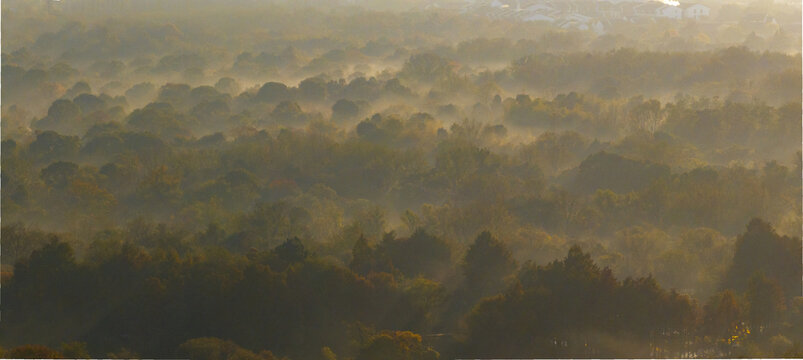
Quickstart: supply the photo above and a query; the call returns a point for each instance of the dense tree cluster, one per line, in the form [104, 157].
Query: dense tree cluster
[160, 295]
[366, 183]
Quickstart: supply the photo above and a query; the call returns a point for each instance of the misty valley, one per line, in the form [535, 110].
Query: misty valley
[391, 179]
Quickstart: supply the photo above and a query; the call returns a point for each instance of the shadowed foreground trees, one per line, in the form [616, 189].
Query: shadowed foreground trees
[761, 249]
[217, 349]
[165, 296]
[572, 308]
[398, 345]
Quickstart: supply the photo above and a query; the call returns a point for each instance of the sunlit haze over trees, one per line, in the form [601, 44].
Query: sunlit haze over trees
[390, 179]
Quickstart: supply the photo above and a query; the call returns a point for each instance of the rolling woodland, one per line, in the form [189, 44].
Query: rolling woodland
[270, 180]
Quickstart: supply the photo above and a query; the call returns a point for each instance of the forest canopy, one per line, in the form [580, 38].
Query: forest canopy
[397, 180]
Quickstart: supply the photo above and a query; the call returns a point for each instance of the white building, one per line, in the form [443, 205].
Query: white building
[695, 11]
[669, 12]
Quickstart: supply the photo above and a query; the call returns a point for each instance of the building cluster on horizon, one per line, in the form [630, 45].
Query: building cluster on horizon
[581, 15]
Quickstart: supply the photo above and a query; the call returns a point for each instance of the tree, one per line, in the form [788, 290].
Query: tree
[344, 110]
[572, 307]
[420, 254]
[59, 174]
[210, 348]
[486, 264]
[75, 350]
[648, 115]
[761, 249]
[211, 114]
[160, 188]
[206, 94]
[553, 152]
[89, 103]
[269, 224]
[722, 315]
[427, 67]
[103, 145]
[228, 85]
[312, 89]
[177, 95]
[63, 116]
[362, 257]
[80, 87]
[273, 92]
[395, 87]
[291, 251]
[141, 93]
[50, 145]
[33, 352]
[765, 301]
[610, 171]
[162, 119]
[56, 257]
[19, 241]
[396, 345]
[288, 113]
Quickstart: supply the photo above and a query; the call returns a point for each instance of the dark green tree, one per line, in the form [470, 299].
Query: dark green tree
[487, 263]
